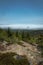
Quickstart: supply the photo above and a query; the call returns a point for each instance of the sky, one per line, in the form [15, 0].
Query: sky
[21, 12]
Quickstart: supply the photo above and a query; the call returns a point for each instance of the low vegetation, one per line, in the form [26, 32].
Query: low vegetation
[8, 59]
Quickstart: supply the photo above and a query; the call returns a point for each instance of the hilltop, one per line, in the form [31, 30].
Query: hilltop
[27, 43]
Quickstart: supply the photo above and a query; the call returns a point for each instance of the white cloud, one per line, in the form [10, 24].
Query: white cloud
[24, 26]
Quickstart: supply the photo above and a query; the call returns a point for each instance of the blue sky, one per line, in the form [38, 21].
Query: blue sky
[21, 12]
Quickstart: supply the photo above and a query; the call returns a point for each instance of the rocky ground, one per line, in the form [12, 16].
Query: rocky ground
[31, 51]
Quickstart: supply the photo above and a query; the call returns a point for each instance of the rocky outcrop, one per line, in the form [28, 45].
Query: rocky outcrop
[30, 51]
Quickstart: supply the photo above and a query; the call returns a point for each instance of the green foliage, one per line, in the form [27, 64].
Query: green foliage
[3, 35]
[40, 43]
[7, 35]
[8, 59]
[25, 36]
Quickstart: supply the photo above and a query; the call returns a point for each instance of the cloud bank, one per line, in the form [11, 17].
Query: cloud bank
[22, 26]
